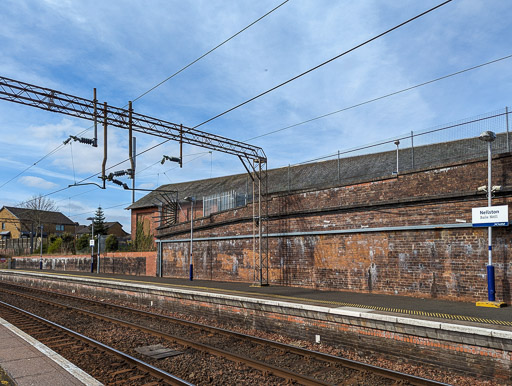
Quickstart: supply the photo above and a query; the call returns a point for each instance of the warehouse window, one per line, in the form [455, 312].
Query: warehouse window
[3, 225]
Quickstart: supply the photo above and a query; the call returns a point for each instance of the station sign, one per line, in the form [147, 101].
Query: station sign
[490, 216]
[91, 242]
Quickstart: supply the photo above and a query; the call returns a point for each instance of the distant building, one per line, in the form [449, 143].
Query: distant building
[113, 228]
[20, 222]
[116, 229]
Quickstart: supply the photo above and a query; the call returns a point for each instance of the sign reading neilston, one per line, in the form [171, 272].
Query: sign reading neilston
[491, 216]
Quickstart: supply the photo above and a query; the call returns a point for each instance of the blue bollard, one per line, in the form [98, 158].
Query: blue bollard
[490, 283]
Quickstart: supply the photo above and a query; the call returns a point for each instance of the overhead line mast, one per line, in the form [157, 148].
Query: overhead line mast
[56, 101]
[252, 157]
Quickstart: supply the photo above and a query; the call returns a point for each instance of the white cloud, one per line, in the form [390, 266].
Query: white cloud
[74, 46]
[146, 186]
[37, 182]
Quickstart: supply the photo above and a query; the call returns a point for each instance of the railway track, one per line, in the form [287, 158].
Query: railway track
[116, 367]
[290, 363]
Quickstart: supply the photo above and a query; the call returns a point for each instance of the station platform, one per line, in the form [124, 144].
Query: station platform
[464, 313]
[452, 335]
[25, 361]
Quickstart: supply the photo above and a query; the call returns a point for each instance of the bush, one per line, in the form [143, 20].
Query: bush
[143, 241]
[111, 243]
[83, 242]
[55, 246]
[68, 243]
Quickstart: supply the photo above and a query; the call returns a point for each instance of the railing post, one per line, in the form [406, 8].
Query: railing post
[508, 139]
[412, 149]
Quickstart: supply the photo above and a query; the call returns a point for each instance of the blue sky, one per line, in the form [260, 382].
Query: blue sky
[123, 48]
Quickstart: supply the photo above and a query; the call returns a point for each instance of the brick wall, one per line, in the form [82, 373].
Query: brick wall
[451, 348]
[444, 262]
[122, 263]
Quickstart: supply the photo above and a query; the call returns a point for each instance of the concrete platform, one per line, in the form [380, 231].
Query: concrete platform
[450, 334]
[29, 362]
[418, 308]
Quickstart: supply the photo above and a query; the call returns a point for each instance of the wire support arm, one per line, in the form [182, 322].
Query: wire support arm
[56, 101]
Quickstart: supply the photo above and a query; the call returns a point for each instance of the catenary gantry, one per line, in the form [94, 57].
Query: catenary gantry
[252, 157]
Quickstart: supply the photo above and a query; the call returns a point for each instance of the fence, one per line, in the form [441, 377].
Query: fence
[12, 247]
[223, 201]
[457, 141]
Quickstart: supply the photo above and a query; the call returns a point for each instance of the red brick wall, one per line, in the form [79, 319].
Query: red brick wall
[122, 263]
[446, 263]
[148, 217]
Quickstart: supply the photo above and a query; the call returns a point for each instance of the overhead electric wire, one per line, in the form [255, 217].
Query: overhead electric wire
[297, 76]
[110, 207]
[362, 103]
[325, 115]
[157, 162]
[400, 138]
[41, 159]
[344, 109]
[210, 51]
[323, 63]
[154, 87]
[381, 97]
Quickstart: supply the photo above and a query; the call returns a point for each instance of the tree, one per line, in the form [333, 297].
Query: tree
[99, 222]
[37, 206]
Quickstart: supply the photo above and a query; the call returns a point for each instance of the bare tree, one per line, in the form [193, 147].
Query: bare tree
[37, 206]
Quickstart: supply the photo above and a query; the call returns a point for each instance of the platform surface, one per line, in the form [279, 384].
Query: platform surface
[28, 362]
[413, 307]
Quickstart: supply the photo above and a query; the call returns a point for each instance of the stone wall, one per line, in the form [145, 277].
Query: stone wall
[402, 235]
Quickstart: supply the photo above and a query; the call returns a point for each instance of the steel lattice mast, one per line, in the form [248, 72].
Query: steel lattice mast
[58, 102]
[252, 157]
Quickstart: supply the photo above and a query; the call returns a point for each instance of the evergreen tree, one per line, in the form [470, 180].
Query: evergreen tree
[99, 222]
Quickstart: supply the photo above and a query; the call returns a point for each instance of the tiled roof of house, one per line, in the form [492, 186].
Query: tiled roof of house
[46, 216]
[344, 171]
[82, 229]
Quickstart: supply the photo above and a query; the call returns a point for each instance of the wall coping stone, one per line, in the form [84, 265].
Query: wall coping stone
[278, 306]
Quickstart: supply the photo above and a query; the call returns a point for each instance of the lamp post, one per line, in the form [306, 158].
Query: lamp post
[397, 143]
[91, 242]
[489, 137]
[191, 200]
[41, 249]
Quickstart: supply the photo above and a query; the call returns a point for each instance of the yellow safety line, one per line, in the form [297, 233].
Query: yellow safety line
[338, 304]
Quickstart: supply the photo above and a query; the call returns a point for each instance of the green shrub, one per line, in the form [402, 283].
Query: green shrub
[83, 242]
[143, 241]
[111, 243]
[55, 246]
[68, 243]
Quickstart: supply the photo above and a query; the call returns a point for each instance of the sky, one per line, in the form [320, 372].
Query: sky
[124, 48]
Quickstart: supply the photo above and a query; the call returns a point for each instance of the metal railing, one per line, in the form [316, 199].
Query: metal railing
[453, 142]
[223, 201]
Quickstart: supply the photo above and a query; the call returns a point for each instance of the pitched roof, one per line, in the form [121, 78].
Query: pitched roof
[337, 172]
[46, 216]
[82, 229]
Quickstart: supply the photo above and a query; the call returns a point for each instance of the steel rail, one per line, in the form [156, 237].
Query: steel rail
[55, 101]
[146, 367]
[263, 367]
[356, 365]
